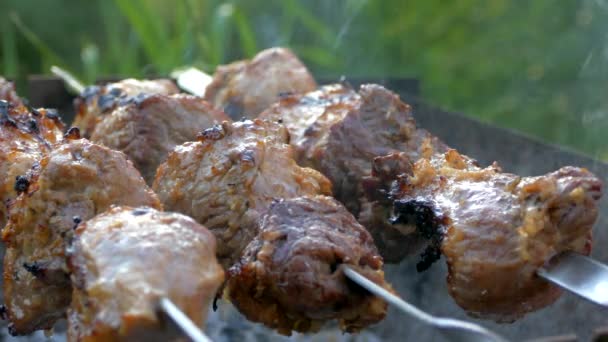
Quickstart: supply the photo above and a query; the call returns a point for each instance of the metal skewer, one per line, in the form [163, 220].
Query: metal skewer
[453, 329]
[69, 79]
[182, 321]
[578, 274]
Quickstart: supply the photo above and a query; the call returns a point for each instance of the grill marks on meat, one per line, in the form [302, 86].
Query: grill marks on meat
[77, 179]
[228, 178]
[125, 260]
[291, 278]
[500, 228]
[339, 132]
[96, 101]
[25, 135]
[147, 130]
[246, 88]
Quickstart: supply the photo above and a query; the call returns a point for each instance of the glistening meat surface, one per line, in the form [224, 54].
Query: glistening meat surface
[228, 178]
[291, 278]
[75, 181]
[125, 260]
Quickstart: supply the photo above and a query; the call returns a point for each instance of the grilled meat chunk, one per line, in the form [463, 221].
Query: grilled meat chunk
[339, 132]
[494, 228]
[24, 136]
[497, 228]
[74, 182]
[125, 260]
[228, 178]
[148, 129]
[291, 275]
[246, 88]
[8, 93]
[96, 101]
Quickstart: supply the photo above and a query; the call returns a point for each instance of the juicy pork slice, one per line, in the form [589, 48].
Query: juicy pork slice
[339, 132]
[25, 135]
[8, 93]
[147, 129]
[72, 183]
[246, 88]
[291, 278]
[96, 101]
[496, 229]
[125, 260]
[228, 178]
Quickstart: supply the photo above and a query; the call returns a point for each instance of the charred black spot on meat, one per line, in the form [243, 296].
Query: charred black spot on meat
[5, 118]
[248, 157]
[285, 94]
[72, 134]
[35, 269]
[137, 100]
[429, 224]
[3, 312]
[106, 102]
[90, 92]
[431, 254]
[233, 109]
[115, 92]
[140, 211]
[11, 329]
[22, 183]
[52, 114]
[418, 212]
[213, 133]
[32, 126]
[76, 220]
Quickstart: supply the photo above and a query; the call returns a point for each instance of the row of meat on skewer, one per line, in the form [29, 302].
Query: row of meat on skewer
[260, 193]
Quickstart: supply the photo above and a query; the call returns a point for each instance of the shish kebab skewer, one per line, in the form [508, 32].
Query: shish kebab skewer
[563, 269]
[497, 230]
[165, 305]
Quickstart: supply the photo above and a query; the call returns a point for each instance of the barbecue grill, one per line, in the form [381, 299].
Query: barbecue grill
[570, 318]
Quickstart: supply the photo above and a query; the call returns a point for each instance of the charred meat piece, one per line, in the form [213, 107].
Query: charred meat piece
[291, 275]
[228, 178]
[125, 260]
[339, 132]
[96, 101]
[74, 182]
[25, 134]
[494, 228]
[8, 93]
[497, 228]
[148, 129]
[246, 88]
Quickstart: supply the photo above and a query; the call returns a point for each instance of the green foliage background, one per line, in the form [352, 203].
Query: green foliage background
[537, 66]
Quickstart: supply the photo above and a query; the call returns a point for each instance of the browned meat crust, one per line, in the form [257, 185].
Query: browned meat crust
[124, 260]
[148, 129]
[8, 93]
[246, 88]
[291, 275]
[497, 228]
[25, 134]
[96, 101]
[74, 182]
[228, 178]
[339, 132]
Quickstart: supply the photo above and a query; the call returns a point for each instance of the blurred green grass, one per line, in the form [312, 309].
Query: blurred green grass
[537, 66]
